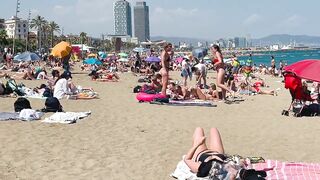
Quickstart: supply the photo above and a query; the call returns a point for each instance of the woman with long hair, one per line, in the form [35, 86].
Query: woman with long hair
[219, 66]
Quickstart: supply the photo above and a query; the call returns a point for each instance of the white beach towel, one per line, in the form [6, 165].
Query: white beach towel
[66, 117]
[183, 172]
[30, 115]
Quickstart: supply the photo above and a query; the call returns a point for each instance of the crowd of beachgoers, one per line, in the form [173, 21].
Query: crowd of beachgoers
[152, 67]
[233, 81]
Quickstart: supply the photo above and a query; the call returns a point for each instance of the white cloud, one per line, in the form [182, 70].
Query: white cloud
[252, 19]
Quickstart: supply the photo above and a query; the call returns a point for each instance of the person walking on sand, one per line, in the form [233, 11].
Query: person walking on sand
[166, 55]
[219, 66]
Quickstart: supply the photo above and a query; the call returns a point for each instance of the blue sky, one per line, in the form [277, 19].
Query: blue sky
[209, 19]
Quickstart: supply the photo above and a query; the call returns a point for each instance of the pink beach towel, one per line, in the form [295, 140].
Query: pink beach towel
[290, 171]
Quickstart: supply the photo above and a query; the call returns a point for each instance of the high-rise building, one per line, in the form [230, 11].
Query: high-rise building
[240, 42]
[122, 18]
[141, 21]
[17, 28]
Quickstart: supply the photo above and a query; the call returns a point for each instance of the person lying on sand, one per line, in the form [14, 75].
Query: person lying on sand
[245, 89]
[208, 94]
[210, 160]
[156, 83]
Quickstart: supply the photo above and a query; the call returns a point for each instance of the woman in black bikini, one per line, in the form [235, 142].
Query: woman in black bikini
[200, 157]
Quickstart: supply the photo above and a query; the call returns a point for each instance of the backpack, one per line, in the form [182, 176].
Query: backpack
[137, 89]
[47, 93]
[12, 87]
[21, 103]
[52, 105]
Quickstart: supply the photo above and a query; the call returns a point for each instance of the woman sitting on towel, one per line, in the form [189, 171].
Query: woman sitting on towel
[63, 86]
[245, 89]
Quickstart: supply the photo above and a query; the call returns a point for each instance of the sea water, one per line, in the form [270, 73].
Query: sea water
[289, 57]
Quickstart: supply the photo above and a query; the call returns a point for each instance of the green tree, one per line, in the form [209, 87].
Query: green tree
[83, 38]
[54, 27]
[3, 37]
[38, 22]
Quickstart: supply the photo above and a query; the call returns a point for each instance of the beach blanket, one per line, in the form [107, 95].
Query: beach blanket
[6, 116]
[286, 170]
[24, 115]
[187, 103]
[66, 117]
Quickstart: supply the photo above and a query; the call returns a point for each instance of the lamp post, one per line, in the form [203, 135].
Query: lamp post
[15, 26]
[27, 39]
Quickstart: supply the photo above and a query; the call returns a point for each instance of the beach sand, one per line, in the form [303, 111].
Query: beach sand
[124, 139]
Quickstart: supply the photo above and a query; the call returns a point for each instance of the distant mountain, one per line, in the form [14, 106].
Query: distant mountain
[287, 39]
[176, 40]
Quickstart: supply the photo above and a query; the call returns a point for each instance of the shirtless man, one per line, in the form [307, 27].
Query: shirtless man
[166, 55]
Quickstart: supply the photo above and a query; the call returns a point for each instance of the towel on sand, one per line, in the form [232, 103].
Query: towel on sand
[66, 117]
[183, 172]
[287, 171]
[24, 115]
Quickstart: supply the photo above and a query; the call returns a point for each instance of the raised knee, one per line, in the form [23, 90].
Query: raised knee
[214, 130]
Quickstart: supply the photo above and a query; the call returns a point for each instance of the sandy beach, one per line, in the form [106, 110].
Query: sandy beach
[124, 139]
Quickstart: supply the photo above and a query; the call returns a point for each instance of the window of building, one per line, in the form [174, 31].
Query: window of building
[24, 25]
[18, 25]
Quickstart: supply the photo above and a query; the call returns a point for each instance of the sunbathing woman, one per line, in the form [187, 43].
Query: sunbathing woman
[245, 89]
[27, 74]
[201, 157]
[207, 94]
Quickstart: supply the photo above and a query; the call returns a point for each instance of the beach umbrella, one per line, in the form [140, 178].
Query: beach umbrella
[179, 59]
[92, 61]
[200, 52]
[153, 59]
[123, 54]
[61, 50]
[102, 54]
[92, 55]
[306, 69]
[139, 49]
[123, 60]
[27, 56]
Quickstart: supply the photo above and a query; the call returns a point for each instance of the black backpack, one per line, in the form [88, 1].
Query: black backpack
[137, 89]
[47, 93]
[21, 103]
[52, 105]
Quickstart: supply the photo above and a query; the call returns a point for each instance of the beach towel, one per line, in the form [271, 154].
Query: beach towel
[287, 171]
[187, 103]
[66, 117]
[6, 116]
[30, 115]
[183, 172]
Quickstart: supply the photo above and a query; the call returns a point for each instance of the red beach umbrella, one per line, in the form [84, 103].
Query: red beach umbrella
[306, 69]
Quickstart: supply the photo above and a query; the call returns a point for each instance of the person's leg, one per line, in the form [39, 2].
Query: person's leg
[200, 94]
[185, 81]
[204, 77]
[197, 136]
[220, 83]
[215, 142]
[165, 79]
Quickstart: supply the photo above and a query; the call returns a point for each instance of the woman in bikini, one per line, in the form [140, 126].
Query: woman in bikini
[201, 157]
[166, 55]
[218, 64]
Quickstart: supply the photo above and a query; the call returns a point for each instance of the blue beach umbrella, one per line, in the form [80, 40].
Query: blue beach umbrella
[102, 54]
[27, 56]
[92, 61]
[200, 52]
[153, 59]
[139, 49]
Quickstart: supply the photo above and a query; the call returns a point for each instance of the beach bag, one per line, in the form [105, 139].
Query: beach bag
[47, 93]
[52, 105]
[12, 87]
[137, 89]
[21, 103]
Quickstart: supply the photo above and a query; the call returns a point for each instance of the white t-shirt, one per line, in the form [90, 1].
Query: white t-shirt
[61, 89]
[201, 67]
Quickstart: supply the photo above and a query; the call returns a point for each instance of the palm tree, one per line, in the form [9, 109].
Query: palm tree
[3, 37]
[54, 27]
[83, 37]
[38, 23]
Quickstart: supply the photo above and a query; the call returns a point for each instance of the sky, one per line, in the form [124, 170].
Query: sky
[206, 19]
